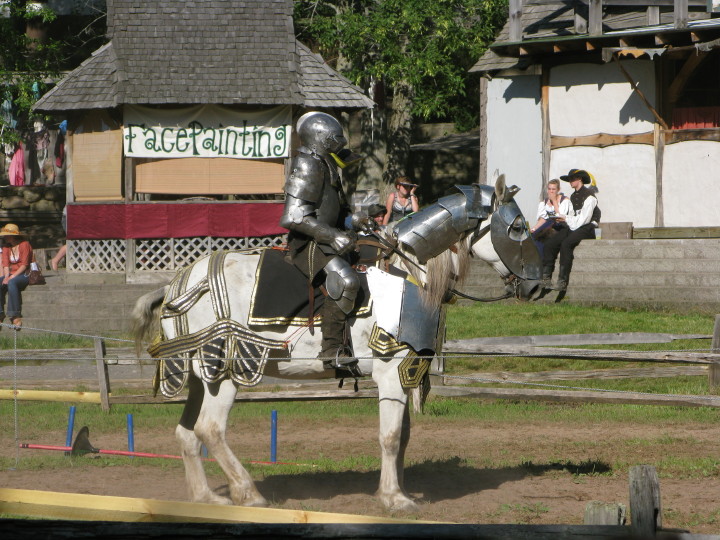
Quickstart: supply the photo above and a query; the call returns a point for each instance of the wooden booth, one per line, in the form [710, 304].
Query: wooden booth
[180, 131]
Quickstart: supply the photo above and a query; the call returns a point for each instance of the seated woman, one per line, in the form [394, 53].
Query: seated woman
[402, 202]
[17, 256]
[556, 204]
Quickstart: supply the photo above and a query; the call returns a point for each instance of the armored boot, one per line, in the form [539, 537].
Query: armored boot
[334, 351]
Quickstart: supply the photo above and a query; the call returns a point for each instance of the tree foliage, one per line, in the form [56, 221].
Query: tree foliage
[35, 47]
[428, 45]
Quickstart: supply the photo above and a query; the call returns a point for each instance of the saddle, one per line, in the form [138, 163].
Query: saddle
[280, 294]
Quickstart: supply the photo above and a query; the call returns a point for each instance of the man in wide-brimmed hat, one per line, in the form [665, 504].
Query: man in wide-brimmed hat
[581, 223]
[17, 256]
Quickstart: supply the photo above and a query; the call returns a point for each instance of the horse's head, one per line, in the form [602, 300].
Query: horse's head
[465, 219]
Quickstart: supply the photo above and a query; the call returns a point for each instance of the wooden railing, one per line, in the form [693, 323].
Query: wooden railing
[589, 21]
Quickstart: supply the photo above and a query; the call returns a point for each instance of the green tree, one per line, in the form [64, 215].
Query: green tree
[420, 51]
[35, 47]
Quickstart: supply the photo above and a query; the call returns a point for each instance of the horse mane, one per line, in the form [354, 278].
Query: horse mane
[442, 273]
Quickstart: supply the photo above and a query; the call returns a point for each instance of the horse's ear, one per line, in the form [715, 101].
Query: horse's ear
[500, 188]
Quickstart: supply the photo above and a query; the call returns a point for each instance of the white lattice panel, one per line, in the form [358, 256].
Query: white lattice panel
[156, 254]
[189, 250]
[96, 256]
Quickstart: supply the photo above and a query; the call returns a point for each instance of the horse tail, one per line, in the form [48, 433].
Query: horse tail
[146, 316]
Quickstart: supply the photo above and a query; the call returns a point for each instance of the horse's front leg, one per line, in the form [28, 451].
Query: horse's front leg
[210, 428]
[394, 435]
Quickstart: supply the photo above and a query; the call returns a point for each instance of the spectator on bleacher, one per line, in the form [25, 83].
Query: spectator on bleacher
[581, 221]
[17, 255]
[554, 205]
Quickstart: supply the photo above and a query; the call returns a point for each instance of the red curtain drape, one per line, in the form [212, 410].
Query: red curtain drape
[167, 220]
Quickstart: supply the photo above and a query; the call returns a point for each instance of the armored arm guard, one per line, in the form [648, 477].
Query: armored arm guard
[303, 197]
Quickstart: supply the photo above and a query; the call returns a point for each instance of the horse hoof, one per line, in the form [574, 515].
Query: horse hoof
[213, 498]
[399, 503]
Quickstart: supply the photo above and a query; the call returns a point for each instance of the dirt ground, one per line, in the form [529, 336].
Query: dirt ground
[488, 473]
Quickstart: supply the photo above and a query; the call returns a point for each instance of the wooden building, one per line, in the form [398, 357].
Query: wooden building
[180, 129]
[626, 89]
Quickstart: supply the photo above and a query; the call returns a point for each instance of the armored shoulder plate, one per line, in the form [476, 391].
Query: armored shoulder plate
[306, 178]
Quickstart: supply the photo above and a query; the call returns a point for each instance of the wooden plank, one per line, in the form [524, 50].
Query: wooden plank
[670, 233]
[600, 513]
[103, 379]
[645, 505]
[74, 529]
[600, 140]
[610, 338]
[673, 136]
[714, 371]
[576, 396]
[546, 134]
[583, 354]
[46, 395]
[296, 395]
[96, 507]
[560, 375]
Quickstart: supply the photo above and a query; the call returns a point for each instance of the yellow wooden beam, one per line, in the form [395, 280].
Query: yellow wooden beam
[49, 504]
[51, 395]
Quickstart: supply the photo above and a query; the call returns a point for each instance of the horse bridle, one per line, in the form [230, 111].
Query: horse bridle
[477, 235]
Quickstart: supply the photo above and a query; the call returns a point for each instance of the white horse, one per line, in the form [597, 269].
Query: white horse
[212, 394]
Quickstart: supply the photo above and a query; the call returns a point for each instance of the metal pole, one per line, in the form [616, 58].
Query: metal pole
[131, 433]
[273, 436]
[70, 426]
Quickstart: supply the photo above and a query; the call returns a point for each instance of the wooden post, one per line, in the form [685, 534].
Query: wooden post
[714, 368]
[546, 132]
[515, 20]
[600, 513]
[645, 507]
[680, 13]
[653, 15]
[659, 144]
[595, 18]
[483, 178]
[103, 378]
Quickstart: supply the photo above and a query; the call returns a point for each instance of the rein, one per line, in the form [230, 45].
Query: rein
[383, 243]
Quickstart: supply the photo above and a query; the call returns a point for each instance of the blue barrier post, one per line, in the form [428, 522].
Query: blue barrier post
[131, 433]
[203, 451]
[273, 436]
[70, 427]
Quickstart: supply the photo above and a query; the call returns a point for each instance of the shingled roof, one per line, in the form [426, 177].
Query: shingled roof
[202, 51]
[554, 22]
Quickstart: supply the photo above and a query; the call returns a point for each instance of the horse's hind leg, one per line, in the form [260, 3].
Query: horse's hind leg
[190, 445]
[394, 435]
[210, 428]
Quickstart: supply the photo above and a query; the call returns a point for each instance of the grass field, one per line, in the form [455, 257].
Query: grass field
[537, 440]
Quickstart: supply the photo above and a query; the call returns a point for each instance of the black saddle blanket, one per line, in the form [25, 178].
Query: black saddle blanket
[281, 297]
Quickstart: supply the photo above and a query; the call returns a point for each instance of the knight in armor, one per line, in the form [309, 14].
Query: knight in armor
[581, 221]
[315, 208]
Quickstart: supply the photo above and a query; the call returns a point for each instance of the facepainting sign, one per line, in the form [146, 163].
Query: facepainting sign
[206, 131]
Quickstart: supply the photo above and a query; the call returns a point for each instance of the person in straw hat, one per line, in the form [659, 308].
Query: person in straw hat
[16, 258]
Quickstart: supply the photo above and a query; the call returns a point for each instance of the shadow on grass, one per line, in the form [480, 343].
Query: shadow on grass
[431, 480]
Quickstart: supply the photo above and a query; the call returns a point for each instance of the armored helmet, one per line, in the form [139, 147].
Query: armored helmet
[320, 133]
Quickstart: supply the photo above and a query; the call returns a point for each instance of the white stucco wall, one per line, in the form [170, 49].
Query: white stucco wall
[586, 99]
[590, 98]
[691, 180]
[617, 170]
[514, 126]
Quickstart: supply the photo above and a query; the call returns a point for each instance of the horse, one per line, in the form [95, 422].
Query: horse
[203, 322]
